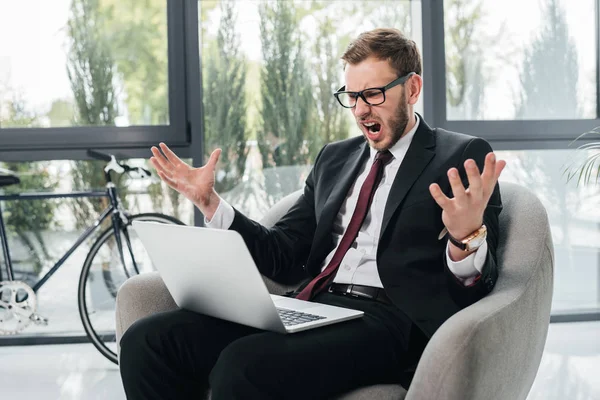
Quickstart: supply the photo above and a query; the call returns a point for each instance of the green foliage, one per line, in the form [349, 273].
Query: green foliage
[389, 14]
[27, 219]
[332, 121]
[464, 76]
[224, 98]
[205, 7]
[138, 42]
[91, 65]
[91, 73]
[17, 115]
[61, 113]
[286, 91]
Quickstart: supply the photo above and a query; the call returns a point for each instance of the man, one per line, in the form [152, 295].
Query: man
[372, 214]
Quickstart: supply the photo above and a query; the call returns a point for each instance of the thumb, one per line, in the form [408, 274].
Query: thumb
[214, 158]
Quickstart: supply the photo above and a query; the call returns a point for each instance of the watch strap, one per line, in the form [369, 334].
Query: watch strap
[457, 243]
[462, 244]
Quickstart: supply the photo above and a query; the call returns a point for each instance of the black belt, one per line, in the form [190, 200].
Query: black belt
[365, 292]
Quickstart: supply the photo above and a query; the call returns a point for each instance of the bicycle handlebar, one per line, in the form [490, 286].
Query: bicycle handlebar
[98, 155]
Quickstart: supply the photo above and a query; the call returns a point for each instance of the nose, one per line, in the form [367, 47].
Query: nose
[362, 109]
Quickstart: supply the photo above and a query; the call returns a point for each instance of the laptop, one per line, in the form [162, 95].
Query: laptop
[211, 271]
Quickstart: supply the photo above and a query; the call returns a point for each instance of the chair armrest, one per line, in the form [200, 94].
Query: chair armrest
[491, 349]
[138, 297]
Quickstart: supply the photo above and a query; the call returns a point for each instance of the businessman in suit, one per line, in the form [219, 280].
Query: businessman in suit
[401, 222]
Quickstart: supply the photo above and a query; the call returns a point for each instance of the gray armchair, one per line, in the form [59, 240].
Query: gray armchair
[490, 350]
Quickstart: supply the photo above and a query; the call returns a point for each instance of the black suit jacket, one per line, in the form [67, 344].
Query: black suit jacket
[410, 259]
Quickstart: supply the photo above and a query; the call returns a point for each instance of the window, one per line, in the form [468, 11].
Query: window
[269, 71]
[520, 60]
[107, 70]
[574, 222]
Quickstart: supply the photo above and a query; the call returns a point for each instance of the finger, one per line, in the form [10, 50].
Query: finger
[168, 180]
[489, 170]
[440, 198]
[458, 189]
[214, 158]
[160, 170]
[474, 177]
[161, 159]
[172, 157]
[492, 172]
[500, 165]
[161, 164]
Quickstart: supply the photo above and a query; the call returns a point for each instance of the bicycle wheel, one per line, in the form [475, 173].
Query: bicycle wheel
[103, 274]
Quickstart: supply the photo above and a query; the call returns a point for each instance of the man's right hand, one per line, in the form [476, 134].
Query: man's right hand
[196, 184]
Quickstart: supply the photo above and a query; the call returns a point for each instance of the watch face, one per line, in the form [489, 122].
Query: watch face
[476, 242]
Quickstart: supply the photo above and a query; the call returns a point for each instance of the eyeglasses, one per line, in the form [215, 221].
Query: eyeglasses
[372, 96]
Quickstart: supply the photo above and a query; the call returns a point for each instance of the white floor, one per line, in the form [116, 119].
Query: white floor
[569, 370]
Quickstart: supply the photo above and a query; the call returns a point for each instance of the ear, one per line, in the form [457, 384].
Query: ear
[413, 89]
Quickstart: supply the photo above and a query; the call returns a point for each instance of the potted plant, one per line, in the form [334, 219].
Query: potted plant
[585, 167]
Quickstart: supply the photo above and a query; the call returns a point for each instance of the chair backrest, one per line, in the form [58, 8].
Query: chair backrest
[493, 348]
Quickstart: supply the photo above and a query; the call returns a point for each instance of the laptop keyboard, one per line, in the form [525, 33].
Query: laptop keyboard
[291, 317]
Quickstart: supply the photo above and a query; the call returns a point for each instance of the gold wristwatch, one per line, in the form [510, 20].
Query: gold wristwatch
[472, 242]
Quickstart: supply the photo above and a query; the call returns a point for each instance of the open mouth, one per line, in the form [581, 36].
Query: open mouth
[373, 127]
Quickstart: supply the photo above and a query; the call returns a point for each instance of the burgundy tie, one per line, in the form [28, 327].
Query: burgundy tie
[365, 198]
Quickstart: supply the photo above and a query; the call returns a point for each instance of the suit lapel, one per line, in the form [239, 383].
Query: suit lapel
[418, 156]
[344, 179]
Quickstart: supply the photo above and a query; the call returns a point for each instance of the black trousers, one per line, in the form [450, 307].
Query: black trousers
[179, 354]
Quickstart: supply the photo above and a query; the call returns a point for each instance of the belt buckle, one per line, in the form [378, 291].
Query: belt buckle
[350, 292]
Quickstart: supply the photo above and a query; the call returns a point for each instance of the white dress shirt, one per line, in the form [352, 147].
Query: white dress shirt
[359, 265]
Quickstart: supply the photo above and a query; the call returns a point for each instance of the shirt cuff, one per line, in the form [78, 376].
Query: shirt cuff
[223, 217]
[467, 270]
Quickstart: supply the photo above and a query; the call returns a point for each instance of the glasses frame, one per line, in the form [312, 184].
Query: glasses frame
[395, 82]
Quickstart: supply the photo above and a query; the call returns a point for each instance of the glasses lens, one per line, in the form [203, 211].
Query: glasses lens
[347, 99]
[374, 96]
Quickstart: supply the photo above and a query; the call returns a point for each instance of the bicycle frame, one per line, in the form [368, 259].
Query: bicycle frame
[113, 209]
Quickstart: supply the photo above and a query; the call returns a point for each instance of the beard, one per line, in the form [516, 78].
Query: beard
[398, 123]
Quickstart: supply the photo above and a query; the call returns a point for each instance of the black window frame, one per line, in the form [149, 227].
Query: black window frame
[34, 144]
[502, 134]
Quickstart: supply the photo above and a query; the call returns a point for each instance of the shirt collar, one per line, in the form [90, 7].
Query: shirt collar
[399, 149]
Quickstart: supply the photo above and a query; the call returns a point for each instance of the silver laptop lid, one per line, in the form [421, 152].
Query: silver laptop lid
[210, 271]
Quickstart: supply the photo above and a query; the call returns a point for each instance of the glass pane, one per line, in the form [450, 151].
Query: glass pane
[574, 220]
[82, 63]
[270, 70]
[519, 59]
[40, 231]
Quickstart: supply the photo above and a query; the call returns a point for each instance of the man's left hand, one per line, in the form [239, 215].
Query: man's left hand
[463, 214]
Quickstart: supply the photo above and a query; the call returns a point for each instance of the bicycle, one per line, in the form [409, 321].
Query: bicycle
[111, 257]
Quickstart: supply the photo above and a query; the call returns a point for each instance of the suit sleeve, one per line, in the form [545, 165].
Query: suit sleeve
[464, 296]
[281, 251]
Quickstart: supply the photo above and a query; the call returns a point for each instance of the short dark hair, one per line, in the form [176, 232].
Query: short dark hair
[385, 44]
